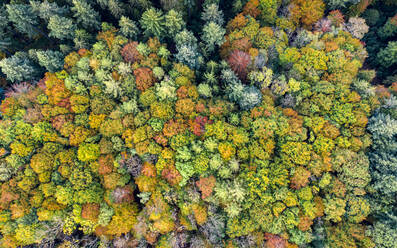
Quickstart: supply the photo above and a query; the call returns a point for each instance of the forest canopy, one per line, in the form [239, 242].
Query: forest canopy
[260, 123]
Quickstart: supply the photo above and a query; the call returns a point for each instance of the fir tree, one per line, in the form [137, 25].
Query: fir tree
[212, 36]
[174, 22]
[116, 8]
[86, 15]
[152, 22]
[82, 39]
[5, 40]
[51, 60]
[212, 13]
[61, 27]
[19, 68]
[23, 18]
[128, 28]
[46, 9]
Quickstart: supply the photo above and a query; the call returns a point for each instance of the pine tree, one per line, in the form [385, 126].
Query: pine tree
[383, 162]
[186, 45]
[5, 40]
[388, 55]
[338, 4]
[82, 39]
[116, 7]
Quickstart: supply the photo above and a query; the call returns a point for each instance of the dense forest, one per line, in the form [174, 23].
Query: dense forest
[198, 123]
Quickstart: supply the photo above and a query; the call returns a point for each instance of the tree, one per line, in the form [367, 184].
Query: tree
[174, 22]
[268, 10]
[239, 62]
[61, 27]
[128, 28]
[388, 55]
[23, 18]
[306, 12]
[82, 39]
[86, 15]
[51, 60]
[19, 68]
[47, 9]
[5, 39]
[212, 36]
[383, 233]
[357, 27]
[116, 7]
[186, 44]
[152, 23]
[212, 13]
[338, 4]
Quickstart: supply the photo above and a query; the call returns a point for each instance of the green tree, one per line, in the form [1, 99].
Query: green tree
[47, 9]
[212, 13]
[23, 17]
[388, 55]
[5, 39]
[86, 15]
[61, 27]
[116, 7]
[152, 23]
[51, 60]
[128, 28]
[19, 68]
[212, 36]
[173, 22]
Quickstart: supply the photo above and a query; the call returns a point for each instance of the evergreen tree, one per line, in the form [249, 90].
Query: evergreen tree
[46, 9]
[19, 68]
[186, 45]
[388, 56]
[5, 40]
[383, 161]
[128, 28]
[337, 4]
[212, 13]
[23, 18]
[51, 60]
[116, 7]
[82, 39]
[152, 22]
[213, 35]
[86, 15]
[61, 27]
[174, 22]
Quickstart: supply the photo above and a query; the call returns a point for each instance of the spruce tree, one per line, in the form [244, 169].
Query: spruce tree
[19, 68]
[61, 27]
[128, 28]
[212, 36]
[152, 22]
[24, 18]
[174, 22]
[51, 60]
[46, 9]
[116, 7]
[86, 15]
[5, 40]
